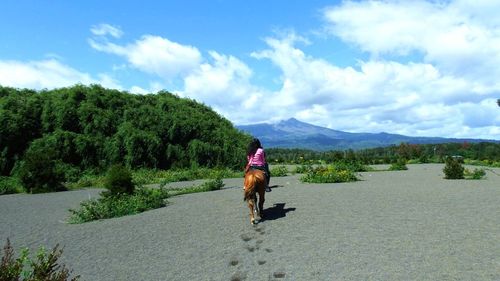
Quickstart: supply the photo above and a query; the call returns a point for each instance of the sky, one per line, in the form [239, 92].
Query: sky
[417, 68]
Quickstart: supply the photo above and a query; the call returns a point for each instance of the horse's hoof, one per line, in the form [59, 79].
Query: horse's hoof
[253, 222]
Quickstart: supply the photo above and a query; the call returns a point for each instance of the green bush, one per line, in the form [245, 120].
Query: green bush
[122, 204]
[39, 172]
[476, 174]
[119, 181]
[453, 169]
[44, 268]
[211, 185]
[328, 174]
[399, 165]
[279, 171]
[355, 166]
[10, 185]
[302, 169]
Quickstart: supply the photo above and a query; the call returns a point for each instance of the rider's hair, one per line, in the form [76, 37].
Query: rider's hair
[253, 146]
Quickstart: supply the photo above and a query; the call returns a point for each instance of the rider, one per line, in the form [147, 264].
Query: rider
[256, 158]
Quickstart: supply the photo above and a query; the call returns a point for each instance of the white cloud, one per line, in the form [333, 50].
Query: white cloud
[47, 74]
[224, 84]
[105, 29]
[154, 55]
[461, 38]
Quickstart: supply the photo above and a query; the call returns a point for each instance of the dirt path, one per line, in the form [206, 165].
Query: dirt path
[407, 225]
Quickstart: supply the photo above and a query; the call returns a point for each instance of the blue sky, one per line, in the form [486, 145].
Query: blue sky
[418, 68]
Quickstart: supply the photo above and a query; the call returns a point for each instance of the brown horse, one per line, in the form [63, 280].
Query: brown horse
[255, 182]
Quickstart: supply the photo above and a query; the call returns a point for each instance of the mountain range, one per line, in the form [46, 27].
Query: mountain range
[293, 133]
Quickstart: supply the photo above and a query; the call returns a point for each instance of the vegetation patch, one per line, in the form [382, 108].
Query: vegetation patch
[302, 169]
[119, 181]
[39, 172]
[44, 267]
[211, 185]
[475, 174]
[399, 165]
[120, 199]
[453, 169]
[10, 185]
[328, 174]
[111, 206]
[279, 171]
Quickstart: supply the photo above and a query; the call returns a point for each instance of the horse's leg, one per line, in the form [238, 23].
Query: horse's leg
[251, 204]
[262, 194]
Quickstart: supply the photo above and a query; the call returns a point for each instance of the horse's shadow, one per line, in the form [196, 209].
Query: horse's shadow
[276, 212]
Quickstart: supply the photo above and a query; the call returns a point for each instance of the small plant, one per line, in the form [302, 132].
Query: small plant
[10, 185]
[453, 169]
[399, 165]
[44, 268]
[355, 166]
[39, 173]
[211, 185]
[302, 169]
[476, 174]
[119, 181]
[329, 174]
[279, 171]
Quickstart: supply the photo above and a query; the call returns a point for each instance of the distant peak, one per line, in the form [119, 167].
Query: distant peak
[290, 121]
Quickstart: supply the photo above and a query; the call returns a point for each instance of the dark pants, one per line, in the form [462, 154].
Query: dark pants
[266, 171]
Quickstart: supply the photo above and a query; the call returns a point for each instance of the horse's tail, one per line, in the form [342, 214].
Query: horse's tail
[249, 193]
[249, 185]
[251, 180]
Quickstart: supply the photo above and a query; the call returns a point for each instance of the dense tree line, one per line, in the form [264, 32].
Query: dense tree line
[84, 128]
[385, 155]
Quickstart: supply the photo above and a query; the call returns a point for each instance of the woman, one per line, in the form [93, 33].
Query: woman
[256, 158]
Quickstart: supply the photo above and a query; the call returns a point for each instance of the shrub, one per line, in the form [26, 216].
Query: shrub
[423, 159]
[10, 185]
[302, 169]
[329, 174]
[453, 169]
[119, 205]
[44, 267]
[39, 172]
[211, 185]
[355, 166]
[279, 171]
[119, 180]
[476, 174]
[399, 165]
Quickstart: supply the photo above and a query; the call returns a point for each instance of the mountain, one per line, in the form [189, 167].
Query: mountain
[293, 133]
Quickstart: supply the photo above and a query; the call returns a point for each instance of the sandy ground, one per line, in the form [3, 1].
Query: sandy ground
[403, 225]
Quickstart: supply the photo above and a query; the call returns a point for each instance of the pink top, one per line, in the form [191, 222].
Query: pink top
[258, 159]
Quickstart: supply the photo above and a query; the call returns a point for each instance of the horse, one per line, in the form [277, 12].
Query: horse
[255, 182]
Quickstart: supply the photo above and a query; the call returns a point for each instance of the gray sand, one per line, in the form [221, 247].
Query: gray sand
[404, 225]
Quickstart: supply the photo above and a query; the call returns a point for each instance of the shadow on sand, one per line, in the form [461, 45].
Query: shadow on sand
[276, 212]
